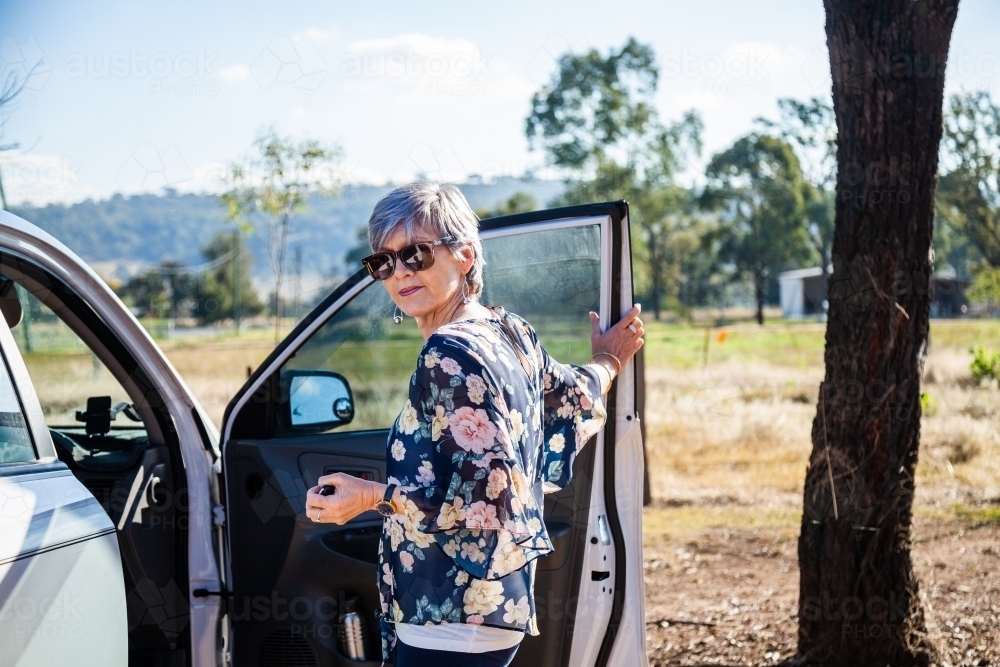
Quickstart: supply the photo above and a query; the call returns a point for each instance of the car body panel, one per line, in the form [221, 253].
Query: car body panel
[62, 594]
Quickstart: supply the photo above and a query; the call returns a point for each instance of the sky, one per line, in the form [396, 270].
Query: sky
[131, 97]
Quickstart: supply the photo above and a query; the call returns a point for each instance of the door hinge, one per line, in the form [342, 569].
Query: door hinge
[218, 515]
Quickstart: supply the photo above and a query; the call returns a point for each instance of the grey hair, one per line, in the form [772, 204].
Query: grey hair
[441, 209]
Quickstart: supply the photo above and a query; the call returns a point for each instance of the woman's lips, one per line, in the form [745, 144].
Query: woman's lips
[407, 291]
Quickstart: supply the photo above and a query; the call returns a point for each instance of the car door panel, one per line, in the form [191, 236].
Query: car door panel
[291, 576]
[279, 554]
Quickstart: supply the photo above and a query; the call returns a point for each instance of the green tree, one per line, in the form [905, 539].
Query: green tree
[179, 286]
[758, 189]
[147, 293]
[361, 249]
[215, 291]
[811, 128]
[272, 184]
[985, 287]
[596, 121]
[519, 202]
[968, 192]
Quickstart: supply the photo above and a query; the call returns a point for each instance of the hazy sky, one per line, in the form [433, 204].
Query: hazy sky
[132, 96]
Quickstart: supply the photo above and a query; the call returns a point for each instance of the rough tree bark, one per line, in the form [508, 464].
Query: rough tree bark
[859, 604]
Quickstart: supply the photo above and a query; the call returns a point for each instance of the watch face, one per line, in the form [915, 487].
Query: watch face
[384, 508]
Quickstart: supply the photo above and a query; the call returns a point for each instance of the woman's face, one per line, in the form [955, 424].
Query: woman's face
[423, 294]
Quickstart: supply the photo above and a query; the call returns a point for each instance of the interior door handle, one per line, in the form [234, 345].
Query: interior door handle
[204, 593]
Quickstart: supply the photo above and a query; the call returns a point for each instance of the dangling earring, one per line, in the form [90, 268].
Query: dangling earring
[465, 293]
[397, 315]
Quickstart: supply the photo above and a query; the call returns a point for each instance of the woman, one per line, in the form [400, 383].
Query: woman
[489, 420]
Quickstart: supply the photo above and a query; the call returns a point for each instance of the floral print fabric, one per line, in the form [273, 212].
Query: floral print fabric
[484, 427]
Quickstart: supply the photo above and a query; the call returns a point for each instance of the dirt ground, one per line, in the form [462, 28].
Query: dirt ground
[729, 597]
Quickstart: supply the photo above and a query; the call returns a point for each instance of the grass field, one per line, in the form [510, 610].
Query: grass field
[736, 430]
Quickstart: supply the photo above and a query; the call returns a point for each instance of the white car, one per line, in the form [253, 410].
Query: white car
[133, 533]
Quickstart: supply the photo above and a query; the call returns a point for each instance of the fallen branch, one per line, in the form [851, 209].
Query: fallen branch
[666, 622]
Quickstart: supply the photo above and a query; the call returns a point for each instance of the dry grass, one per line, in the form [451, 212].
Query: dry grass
[215, 372]
[729, 432]
[738, 432]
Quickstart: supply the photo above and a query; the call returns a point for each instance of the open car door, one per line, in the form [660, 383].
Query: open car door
[292, 580]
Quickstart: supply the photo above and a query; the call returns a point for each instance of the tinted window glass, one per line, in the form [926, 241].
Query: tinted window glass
[15, 441]
[63, 370]
[550, 278]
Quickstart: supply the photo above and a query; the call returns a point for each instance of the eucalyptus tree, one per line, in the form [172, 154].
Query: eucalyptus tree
[757, 188]
[810, 127]
[597, 123]
[968, 193]
[859, 601]
[275, 181]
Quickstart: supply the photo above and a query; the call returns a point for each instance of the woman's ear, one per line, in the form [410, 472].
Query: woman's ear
[468, 258]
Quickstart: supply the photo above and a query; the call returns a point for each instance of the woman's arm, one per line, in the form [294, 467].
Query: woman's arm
[352, 497]
[621, 342]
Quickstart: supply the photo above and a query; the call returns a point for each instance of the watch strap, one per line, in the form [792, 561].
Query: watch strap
[385, 506]
[389, 490]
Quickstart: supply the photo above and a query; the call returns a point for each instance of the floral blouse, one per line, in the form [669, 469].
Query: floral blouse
[484, 427]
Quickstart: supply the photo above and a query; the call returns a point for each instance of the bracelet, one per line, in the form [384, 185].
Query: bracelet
[605, 368]
[618, 363]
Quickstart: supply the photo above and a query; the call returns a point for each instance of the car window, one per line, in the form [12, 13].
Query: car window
[15, 439]
[551, 278]
[63, 370]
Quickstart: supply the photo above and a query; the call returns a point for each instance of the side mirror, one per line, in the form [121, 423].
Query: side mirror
[10, 303]
[318, 400]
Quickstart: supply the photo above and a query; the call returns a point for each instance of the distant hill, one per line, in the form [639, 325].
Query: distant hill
[124, 233]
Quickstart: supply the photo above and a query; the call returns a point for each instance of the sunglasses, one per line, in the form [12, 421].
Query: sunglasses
[416, 257]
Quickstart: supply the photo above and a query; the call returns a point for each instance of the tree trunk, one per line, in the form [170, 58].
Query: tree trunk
[859, 602]
[656, 271]
[279, 272]
[760, 294]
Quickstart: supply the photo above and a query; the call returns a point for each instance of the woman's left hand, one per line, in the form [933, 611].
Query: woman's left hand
[352, 497]
[622, 340]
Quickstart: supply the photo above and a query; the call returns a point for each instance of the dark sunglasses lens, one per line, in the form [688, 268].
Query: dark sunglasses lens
[418, 257]
[380, 265]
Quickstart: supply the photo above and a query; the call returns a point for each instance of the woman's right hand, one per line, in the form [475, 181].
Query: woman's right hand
[622, 340]
[352, 496]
